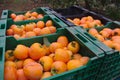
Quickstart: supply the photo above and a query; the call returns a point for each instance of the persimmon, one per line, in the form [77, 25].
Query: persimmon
[37, 31]
[28, 61]
[93, 31]
[16, 36]
[35, 14]
[46, 75]
[47, 50]
[70, 53]
[104, 34]
[76, 56]
[17, 30]
[21, 75]
[76, 21]
[9, 55]
[116, 31]
[73, 46]
[52, 29]
[21, 52]
[115, 37]
[13, 26]
[45, 30]
[84, 25]
[97, 21]
[46, 62]
[63, 40]
[49, 23]
[10, 32]
[108, 43]
[84, 60]
[61, 55]
[55, 45]
[72, 64]
[83, 20]
[90, 18]
[11, 64]
[19, 64]
[10, 73]
[70, 20]
[33, 71]
[116, 41]
[40, 16]
[28, 14]
[30, 34]
[58, 67]
[116, 46]
[40, 24]
[37, 51]
[52, 55]
[99, 37]
[13, 15]
[19, 18]
[29, 27]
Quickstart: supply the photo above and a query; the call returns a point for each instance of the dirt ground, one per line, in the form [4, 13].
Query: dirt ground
[21, 5]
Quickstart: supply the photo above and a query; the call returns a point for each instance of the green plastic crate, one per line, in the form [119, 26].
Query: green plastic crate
[41, 10]
[110, 67]
[2, 51]
[5, 24]
[87, 72]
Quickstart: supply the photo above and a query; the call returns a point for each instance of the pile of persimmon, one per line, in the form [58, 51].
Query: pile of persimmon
[86, 22]
[31, 29]
[40, 61]
[110, 37]
[27, 16]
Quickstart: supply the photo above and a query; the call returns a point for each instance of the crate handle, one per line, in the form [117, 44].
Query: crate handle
[4, 14]
[56, 19]
[46, 41]
[117, 22]
[82, 38]
[88, 35]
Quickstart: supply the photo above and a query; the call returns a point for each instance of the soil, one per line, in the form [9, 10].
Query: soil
[21, 5]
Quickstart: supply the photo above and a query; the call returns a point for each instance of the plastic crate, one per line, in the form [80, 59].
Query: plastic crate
[41, 10]
[111, 65]
[2, 51]
[86, 72]
[5, 24]
[77, 12]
